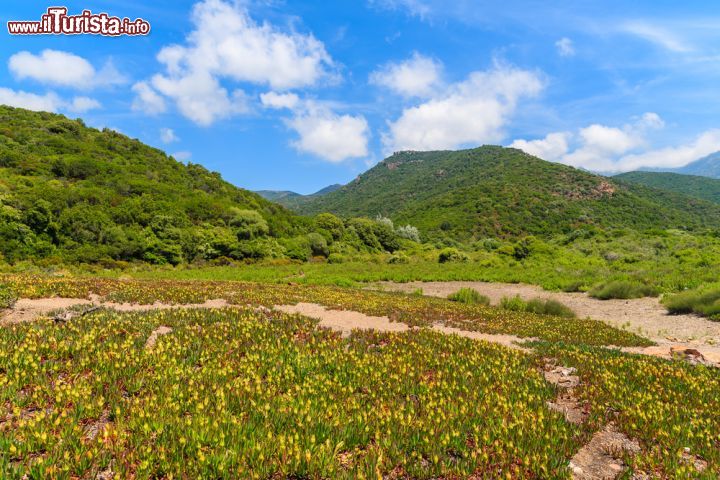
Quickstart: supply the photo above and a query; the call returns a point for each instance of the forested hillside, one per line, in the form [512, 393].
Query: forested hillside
[496, 191]
[692, 185]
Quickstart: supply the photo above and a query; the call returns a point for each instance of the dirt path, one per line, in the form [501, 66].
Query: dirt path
[27, 310]
[345, 321]
[644, 316]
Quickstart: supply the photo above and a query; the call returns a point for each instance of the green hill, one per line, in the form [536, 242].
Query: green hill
[294, 200]
[691, 185]
[500, 191]
[75, 193]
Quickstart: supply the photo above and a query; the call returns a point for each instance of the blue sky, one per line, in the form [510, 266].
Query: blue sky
[298, 95]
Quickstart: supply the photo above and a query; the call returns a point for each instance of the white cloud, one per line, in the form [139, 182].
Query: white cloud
[565, 47]
[328, 135]
[279, 100]
[419, 8]
[182, 156]
[552, 147]
[227, 45]
[474, 111]
[706, 143]
[49, 102]
[200, 97]
[657, 35]
[417, 76]
[147, 99]
[167, 135]
[55, 67]
[617, 149]
[83, 104]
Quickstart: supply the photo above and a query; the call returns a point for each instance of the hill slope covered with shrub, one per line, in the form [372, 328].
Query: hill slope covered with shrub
[496, 191]
[692, 185]
[79, 194]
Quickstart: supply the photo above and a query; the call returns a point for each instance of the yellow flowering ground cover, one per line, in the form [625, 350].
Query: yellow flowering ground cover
[413, 310]
[671, 407]
[234, 394]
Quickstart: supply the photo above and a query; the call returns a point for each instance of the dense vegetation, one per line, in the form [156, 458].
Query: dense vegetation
[294, 200]
[495, 191]
[240, 393]
[72, 194]
[691, 185]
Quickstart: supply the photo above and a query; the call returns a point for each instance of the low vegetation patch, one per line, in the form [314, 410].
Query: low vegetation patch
[540, 306]
[469, 296]
[622, 289]
[7, 297]
[705, 302]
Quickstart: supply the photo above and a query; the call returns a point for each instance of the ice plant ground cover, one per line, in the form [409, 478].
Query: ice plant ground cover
[244, 393]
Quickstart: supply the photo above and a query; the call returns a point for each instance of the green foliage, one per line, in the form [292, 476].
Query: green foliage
[330, 223]
[408, 232]
[7, 297]
[398, 258]
[694, 186]
[622, 289]
[318, 245]
[541, 306]
[75, 194]
[469, 296]
[502, 192]
[704, 301]
[452, 255]
[514, 304]
[249, 224]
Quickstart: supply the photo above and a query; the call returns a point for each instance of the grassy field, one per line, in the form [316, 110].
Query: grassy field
[236, 393]
[669, 262]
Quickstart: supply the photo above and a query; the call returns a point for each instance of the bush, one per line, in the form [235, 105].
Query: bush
[469, 296]
[622, 289]
[540, 306]
[515, 304]
[318, 245]
[408, 232]
[398, 258]
[702, 302]
[331, 224]
[7, 297]
[335, 258]
[549, 307]
[452, 255]
[249, 224]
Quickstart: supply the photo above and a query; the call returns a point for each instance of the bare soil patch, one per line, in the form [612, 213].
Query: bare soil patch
[152, 339]
[602, 457]
[644, 316]
[345, 321]
[27, 310]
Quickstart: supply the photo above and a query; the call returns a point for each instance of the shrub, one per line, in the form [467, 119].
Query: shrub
[704, 302]
[549, 307]
[318, 245]
[7, 297]
[515, 304]
[398, 258]
[469, 296]
[622, 289]
[408, 232]
[331, 224]
[335, 258]
[452, 255]
[249, 224]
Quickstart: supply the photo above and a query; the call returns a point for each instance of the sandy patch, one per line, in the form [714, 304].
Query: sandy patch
[345, 321]
[601, 459]
[152, 339]
[644, 316]
[27, 310]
